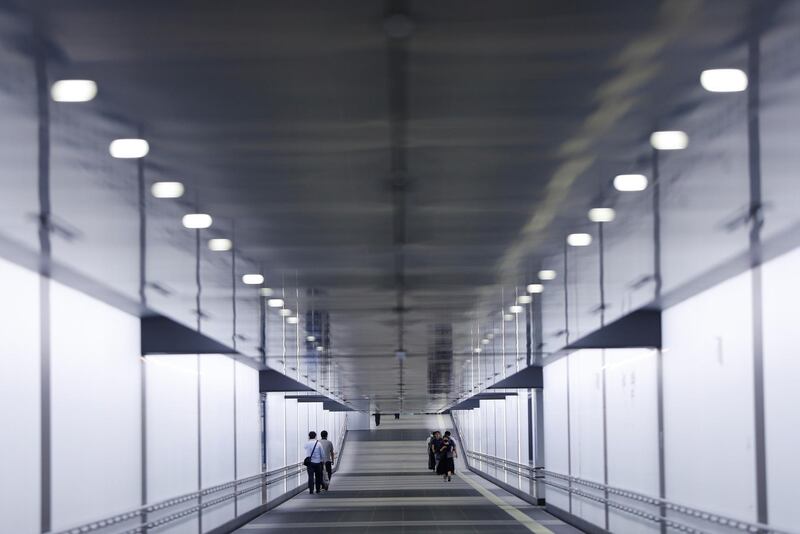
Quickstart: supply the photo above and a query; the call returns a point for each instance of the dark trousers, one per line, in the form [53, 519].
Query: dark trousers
[431, 460]
[329, 469]
[314, 476]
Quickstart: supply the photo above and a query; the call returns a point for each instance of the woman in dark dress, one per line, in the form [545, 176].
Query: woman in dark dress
[447, 455]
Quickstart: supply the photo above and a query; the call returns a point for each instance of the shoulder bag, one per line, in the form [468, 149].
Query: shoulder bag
[307, 461]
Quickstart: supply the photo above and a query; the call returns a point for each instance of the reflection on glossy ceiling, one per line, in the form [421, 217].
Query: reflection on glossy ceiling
[396, 203]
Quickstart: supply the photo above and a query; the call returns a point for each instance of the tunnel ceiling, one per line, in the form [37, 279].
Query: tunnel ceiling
[405, 161]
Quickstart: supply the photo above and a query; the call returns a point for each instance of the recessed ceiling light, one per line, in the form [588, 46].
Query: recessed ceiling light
[630, 182]
[669, 140]
[285, 312]
[478, 350]
[601, 214]
[167, 189]
[197, 220]
[267, 292]
[73, 90]
[275, 303]
[320, 348]
[291, 320]
[484, 341]
[220, 245]
[723, 80]
[253, 279]
[524, 299]
[516, 308]
[508, 317]
[128, 148]
[535, 288]
[579, 240]
[310, 339]
[546, 274]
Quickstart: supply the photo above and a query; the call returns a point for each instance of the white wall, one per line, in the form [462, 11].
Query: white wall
[708, 400]
[586, 428]
[217, 437]
[358, 421]
[632, 431]
[172, 431]
[96, 419]
[95, 408]
[556, 443]
[20, 405]
[248, 430]
[782, 396]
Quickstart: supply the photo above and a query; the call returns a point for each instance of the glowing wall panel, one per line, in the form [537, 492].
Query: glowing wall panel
[632, 431]
[586, 428]
[216, 432]
[172, 431]
[556, 444]
[95, 408]
[782, 397]
[19, 399]
[248, 431]
[708, 400]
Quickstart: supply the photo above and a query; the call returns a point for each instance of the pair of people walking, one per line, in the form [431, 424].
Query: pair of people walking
[319, 461]
[442, 453]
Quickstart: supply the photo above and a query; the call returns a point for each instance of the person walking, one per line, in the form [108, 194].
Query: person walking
[313, 462]
[447, 455]
[436, 444]
[328, 456]
[431, 453]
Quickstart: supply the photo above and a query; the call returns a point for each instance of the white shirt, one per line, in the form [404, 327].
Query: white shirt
[316, 456]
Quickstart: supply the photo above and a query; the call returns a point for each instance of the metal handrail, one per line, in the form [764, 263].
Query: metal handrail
[539, 473]
[262, 478]
[240, 486]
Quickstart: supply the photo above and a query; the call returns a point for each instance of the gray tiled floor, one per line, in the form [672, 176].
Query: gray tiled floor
[383, 486]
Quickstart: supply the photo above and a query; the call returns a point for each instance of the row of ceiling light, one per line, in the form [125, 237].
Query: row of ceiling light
[712, 80]
[135, 148]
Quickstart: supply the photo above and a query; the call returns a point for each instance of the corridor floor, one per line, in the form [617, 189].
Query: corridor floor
[383, 486]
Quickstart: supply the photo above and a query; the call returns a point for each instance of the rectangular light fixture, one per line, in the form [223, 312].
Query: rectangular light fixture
[197, 220]
[579, 240]
[253, 279]
[128, 148]
[630, 182]
[723, 80]
[167, 189]
[275, 303]
[601, 214]
[220, 245]
[669, 140]
[73, 91]
[547, 274]
[535, 288]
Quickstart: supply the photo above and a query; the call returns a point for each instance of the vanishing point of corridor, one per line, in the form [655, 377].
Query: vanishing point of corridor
[383, 486]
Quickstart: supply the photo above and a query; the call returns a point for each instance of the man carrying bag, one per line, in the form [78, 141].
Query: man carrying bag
[313, 463]
[328, 457]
